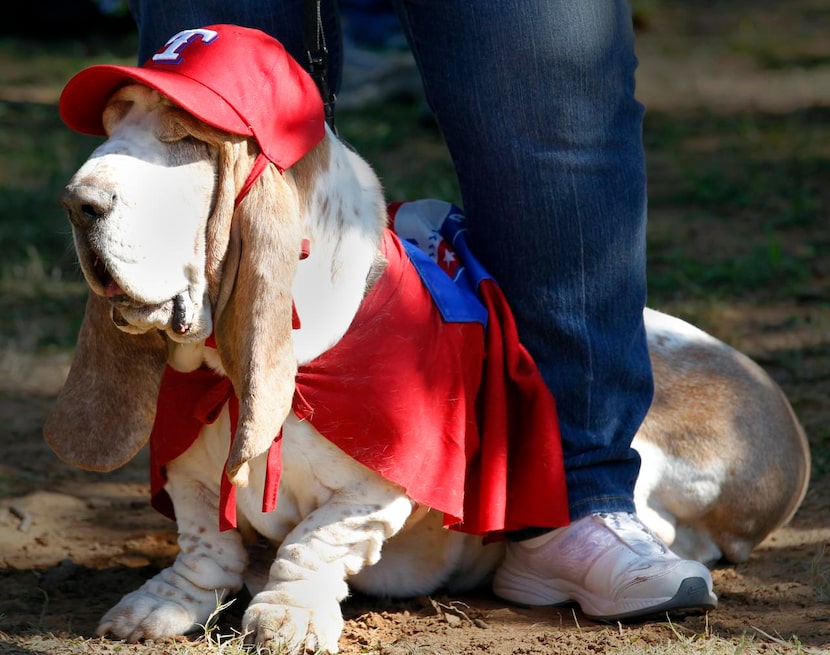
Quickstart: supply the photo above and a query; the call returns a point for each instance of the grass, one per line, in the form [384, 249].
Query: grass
[618, 641]
[754, 182]
[820, 575]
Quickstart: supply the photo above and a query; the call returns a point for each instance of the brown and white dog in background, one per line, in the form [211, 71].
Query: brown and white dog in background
[725, 461]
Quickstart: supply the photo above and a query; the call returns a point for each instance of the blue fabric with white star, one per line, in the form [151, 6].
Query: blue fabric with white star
[449, 270]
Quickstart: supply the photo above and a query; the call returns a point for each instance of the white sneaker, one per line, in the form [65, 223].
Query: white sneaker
[611, 564]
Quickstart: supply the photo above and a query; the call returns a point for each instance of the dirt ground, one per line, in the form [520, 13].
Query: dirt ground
[72, 542]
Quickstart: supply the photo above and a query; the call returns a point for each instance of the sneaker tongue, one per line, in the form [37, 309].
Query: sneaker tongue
[634, 532]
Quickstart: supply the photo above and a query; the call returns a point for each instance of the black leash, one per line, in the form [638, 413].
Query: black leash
[318, 56]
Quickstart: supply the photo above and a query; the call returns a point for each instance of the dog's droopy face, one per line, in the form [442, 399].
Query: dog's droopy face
[174, 251]
[138, 209]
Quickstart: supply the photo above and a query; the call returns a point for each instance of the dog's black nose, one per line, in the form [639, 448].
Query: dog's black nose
[87, 204]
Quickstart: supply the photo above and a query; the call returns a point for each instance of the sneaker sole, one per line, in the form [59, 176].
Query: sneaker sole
[692, 596]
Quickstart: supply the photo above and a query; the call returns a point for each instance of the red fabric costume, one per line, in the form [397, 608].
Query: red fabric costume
[456, 414]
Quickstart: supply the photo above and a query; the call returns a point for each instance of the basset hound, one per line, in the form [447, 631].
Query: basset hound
[252, 315]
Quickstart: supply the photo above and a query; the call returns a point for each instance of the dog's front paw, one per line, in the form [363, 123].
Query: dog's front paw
[273, 622]
[142, 614]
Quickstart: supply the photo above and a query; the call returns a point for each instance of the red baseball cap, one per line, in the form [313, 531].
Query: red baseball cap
[238, 79]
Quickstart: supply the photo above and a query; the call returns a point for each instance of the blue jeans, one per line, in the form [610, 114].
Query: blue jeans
[536, 101]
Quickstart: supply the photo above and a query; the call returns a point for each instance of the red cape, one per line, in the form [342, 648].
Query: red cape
[457, 415]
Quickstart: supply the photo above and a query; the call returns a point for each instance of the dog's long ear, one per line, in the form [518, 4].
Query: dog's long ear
[253, 323]
[105, 410]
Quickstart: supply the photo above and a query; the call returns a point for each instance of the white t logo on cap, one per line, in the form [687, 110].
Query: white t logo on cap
[172, 49]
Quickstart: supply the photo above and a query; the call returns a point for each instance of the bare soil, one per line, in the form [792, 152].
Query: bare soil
[72, 542]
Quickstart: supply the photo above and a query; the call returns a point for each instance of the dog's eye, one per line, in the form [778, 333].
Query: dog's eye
[172, 131]
[114, 112]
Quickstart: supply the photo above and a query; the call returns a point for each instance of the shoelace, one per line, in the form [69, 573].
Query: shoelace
[635, 533]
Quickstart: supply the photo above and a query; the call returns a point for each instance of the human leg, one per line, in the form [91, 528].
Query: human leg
[536, 101]
[538, 110]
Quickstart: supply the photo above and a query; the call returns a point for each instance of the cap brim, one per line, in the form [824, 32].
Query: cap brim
[85, 96]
